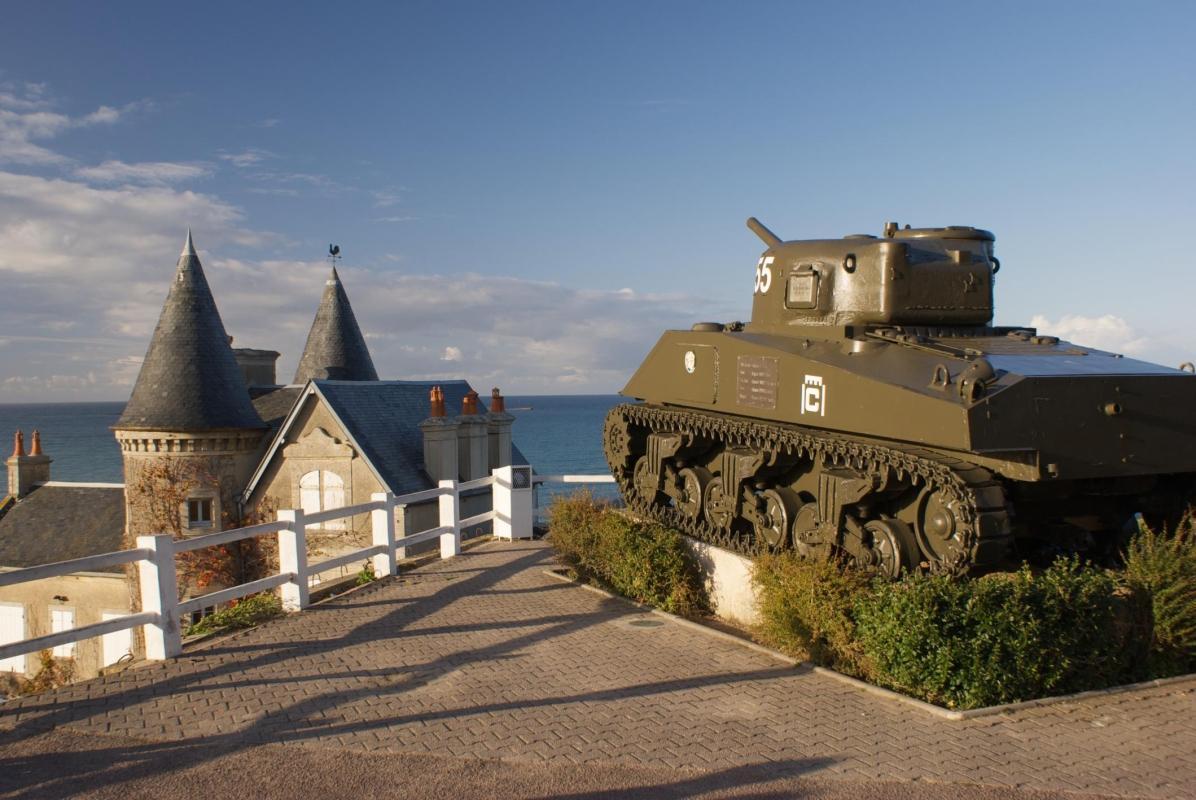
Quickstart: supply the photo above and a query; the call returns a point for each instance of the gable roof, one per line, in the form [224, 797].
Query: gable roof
[335, 348]
[274, 404]
[58, 523]
[189, 380]
[381, 420]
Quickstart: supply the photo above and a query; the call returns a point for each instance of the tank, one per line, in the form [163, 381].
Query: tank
[871, 411]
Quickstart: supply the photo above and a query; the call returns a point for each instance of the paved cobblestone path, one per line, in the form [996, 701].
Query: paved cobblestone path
[485, 656]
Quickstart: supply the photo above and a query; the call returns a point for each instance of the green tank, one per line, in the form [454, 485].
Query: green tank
[870, 410]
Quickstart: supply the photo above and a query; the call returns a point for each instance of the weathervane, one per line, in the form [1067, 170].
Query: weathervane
[334, 254]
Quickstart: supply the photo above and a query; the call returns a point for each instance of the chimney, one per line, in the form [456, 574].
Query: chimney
[498, 428]
[25, 471]
[473, 440]
[440, 440]
[257, 366]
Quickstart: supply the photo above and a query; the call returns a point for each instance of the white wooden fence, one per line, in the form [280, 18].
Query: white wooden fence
[161, 611]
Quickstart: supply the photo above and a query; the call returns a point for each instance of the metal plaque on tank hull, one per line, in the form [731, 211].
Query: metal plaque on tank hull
[756, 381]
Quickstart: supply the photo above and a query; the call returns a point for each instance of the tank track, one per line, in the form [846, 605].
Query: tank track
[982, 513]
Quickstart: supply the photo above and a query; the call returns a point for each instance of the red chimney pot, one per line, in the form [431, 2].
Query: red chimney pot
[18, 444]
[36, 449]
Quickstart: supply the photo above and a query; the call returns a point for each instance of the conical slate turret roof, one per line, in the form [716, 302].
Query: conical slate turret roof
[189, 380]
[335, 348]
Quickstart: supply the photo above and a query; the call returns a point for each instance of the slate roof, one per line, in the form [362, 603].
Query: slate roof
[57, 523]
[189, 380]
[335, 348]
[383, 417]
[275, 403]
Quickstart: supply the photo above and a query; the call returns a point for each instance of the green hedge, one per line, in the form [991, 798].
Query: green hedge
[806, 608]
[1000, 638]
[644, 561]
[1003, 637]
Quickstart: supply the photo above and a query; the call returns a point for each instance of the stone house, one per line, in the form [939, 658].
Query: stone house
[43, 521]
[209, 440]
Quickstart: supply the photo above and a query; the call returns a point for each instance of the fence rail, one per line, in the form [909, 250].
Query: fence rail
[161, 610]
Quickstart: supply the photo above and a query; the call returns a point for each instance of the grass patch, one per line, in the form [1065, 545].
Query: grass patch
[244, 613]
[644, 561]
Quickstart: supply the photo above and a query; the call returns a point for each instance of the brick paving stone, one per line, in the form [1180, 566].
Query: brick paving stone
[485, 656]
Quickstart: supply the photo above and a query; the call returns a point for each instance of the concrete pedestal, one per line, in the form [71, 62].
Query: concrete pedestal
[728, 578]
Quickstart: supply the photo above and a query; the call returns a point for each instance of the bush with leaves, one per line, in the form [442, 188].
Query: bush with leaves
[644, 561]
[51, 673]
[244, 613]
[805, 608]
[1161, 566]
[1001, 638]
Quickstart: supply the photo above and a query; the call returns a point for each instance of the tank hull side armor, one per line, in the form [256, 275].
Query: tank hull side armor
[871, 411]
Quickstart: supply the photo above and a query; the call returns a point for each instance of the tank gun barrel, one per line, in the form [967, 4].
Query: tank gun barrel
[760, 229]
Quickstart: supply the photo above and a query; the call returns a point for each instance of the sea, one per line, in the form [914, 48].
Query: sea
[559, 434]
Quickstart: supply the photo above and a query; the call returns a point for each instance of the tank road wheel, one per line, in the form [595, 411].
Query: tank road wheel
[692, 481]
[805, 526]
[938, 527]
[894, 549]
[772, 525]
[645, 482]
[717, 506]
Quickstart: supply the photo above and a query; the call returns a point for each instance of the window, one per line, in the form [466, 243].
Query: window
[321, 490]
[199, 513]
[62, 619]
[12, 629]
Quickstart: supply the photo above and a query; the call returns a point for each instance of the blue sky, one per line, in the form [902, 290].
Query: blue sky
[526, 194]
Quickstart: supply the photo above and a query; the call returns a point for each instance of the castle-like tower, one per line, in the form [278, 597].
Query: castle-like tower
[189, 435]
[335, 348]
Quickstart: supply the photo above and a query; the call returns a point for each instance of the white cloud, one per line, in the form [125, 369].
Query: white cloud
[247, 158]
[1108, 332]
[156, 173]
[25, 119]
[385, 198]
[269, 122]
[86, 260]
[104, 115]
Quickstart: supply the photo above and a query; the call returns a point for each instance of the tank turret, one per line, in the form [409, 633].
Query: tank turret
[870, 409]
[923, 276]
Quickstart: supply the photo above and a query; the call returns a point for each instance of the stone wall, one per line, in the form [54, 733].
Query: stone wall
[89, 595]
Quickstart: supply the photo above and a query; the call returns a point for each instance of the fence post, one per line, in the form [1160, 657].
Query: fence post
[292, 557]
[383, 521]
[514, 503]
[401, 552]
[450, 516]
[160, 595]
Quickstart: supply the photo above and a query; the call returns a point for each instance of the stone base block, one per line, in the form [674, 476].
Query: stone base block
[729, 582]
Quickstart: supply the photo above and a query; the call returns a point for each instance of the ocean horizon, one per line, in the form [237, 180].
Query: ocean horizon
[559, 434]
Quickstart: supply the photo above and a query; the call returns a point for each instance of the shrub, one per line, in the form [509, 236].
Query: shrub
[365, 574]
[1162, 567]
[245, 613]
[644, 561]
[806, 609]
[1001, 638]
